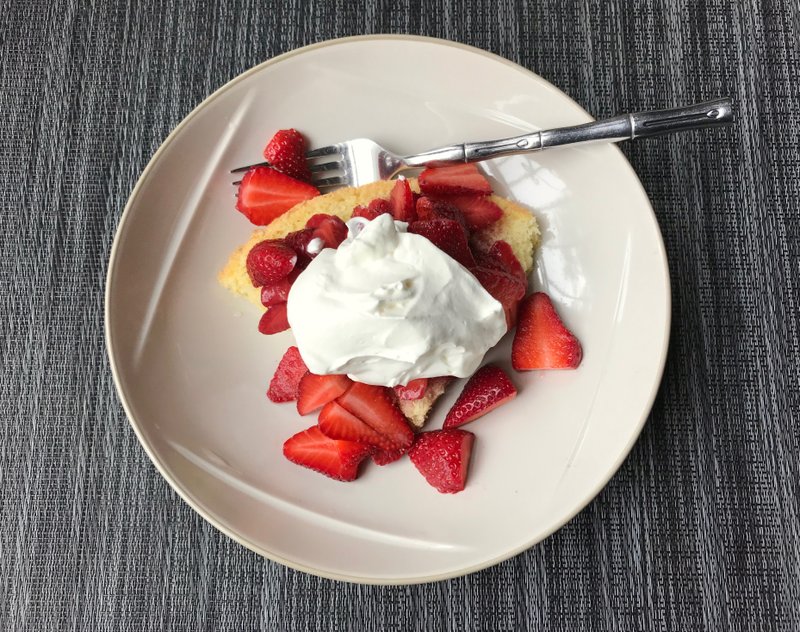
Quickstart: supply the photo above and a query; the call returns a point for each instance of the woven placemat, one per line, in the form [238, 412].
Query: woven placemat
[698, 530]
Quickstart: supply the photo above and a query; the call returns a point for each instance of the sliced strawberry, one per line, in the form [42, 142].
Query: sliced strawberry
[374, 406]
[286, 152]
[402, 201]
[430, 208]
[265, 194]
[448, 236]
[415, 389]
[442, 457]
[278, 292]
[375, 208]
[269, 261]
[384, 457]
[298, 241]
[329, 228]
[331, 457]
[456, 180]
[284, 384]
[314, 391]
[478, 210]
[274, 320]
[338, 423]
[503, 252]
[541, 340]
[504, 287]
[487, 389]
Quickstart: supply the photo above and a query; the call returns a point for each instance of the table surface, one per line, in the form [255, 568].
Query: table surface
[700, 527]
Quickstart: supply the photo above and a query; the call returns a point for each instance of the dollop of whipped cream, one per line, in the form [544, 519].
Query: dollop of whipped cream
[388, 307]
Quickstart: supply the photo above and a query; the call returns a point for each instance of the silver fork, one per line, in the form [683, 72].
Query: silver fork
[361, 160]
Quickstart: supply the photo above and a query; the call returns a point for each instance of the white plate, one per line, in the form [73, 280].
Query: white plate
[192, 370]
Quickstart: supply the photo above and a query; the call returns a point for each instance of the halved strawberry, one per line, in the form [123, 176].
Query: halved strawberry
[286, 152]
[454, 180]
[374, 406]
[504, 287]
[448, 236]
[274, 320]
[284, 384]
[487, 389]
[402, 201]
[298, 241]
[503, 252]
[478, 210]
[541, 340]
[314, 391]
[431, 208]
[269, 261]
[442, 457]
[329, 228]
[384, 457]
[376, 207]
[415, 389]
[337, 422]
[265, 194]
[278, 292]
[332, 457]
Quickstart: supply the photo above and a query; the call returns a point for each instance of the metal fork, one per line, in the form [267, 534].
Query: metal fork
[359, 161]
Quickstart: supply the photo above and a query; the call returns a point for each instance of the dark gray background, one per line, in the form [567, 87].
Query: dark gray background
[698, 530]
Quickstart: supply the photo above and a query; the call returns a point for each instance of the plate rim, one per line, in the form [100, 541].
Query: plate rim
[187, 496]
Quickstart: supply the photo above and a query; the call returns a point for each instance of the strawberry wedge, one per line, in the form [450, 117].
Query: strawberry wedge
[374, 405]
[332, 457]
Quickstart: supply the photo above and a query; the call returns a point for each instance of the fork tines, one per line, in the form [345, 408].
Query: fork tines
[321, 168]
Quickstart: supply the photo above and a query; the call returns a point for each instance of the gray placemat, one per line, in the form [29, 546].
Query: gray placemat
[698, 530]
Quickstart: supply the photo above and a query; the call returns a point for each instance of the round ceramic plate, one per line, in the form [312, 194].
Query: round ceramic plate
[192, 370]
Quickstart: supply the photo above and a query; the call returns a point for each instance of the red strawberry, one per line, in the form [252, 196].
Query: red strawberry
[503, 252]
[329, 228]
[369, 212]
[448, 236]
[298, 241]
[415, 389]
[338, 423]
[402, 201]
[384, 457]
[374, 406]
[269, 261]
[284, 384]
[442, 457]
[274, 320]
[278, 292]
[286, 151]
[264, 194]
[504, 287]
[478, 210]
[455, 180]
[542, 341]
[487, 389]
[314, 391]
[430, 208]
[331, 457]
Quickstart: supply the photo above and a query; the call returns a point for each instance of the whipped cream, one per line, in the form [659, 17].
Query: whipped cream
[388, 307]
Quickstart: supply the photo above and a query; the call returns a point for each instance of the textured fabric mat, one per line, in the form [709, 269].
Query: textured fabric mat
[698, 530]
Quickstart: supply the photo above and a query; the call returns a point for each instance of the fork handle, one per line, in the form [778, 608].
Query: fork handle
[623, 127]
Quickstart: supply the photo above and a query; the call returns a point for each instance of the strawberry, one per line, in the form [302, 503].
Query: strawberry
[487, 389]
[504, 253]
[454, 180]
[507, 289]
[329, 228]
[274, 320]
[442, 457]
[269, 261]
[331, 457]
[286, 152]
[415, 389]
[278, 292]
[384, 457]
[541, 340]
[369, 212]
[402, 201]
[478, 210]
[264, 194]
[338, 423]
[298, 241]
[284, 384]
[431, 208]
[314, 391]
[374, 406]
[448, 236]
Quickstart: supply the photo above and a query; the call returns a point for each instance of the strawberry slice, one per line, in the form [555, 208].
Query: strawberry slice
[454, 180]
[541, 340]
[374, 406]
[402, 201]
[286, 152]
[269, 261]
[384, 457]
[332, 457]
[507, 289]
[415, 389]
[431, 208]
[338, 423]
[504, 253]
[329, 228]
[487, 389]
[278, 292]
[479, 211]
[274, 320]
[448, 236]
[442, 457]
[298, 241]
[284, 384]
[376, 207]
[265, 194]
[314, 391]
